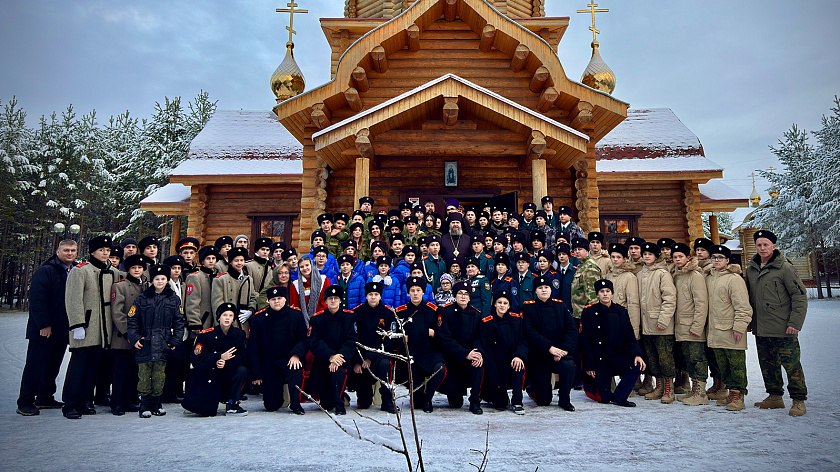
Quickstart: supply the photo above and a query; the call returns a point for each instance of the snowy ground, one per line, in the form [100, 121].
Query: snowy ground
[596, 437]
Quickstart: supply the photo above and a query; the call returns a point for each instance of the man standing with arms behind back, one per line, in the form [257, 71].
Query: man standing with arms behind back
[779, 304]
[46, 331]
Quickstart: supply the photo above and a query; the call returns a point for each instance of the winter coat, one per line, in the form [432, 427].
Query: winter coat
[457, 333]
[329, 334]
[573, 230]
[326, 272]
[197, 306]
[777, 296]
[505, 283]
[87, 298]
[156, 317]
[566, 285]
[370, 270]
[480, 296]
[443, 297]
[729, 307]
[368, 320]
[657, 298]
[500, 340]
[400, 271]
[583, 285]
[123, 294]
[524, 289]
[204, 389]
[260, 271]
[229, 288]
[485, 263]
[548, 324]
[424, 349]
[331, 264]
[603, 261]
[275, 337]
[354, 290]
[692, 302]
[626, 292]
[434, 268]
[393, 294]
[46, 301]
[607, 337]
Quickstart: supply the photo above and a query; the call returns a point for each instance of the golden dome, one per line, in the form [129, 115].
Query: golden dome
[755, 198]
[598, 74]
[287, 80]
[773, 192]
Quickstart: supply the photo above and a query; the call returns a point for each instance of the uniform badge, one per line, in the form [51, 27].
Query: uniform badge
[309, 332]
[513, 290]
[113, 296]
[181, 307]
[382, 321]
[132, 311]
[487, 285]
[393, 326]
[189, 289]
[555, 283]
[198, 348]
[440, 321]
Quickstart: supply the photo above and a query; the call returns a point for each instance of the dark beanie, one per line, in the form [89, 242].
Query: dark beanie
[160, 269]
[99, 242]
[763, 233]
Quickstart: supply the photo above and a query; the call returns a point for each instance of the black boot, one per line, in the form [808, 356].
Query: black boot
[388, 403]
[145, 407]
[475, 408]
[156, 407]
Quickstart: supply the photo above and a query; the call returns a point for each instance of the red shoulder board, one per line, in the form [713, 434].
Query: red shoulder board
[424, 258]
[444, 306]
[240, 329]
[249, 260]
[488, 256]
[535, 275]
[357, 306]
[348, 311]
[507, 279]
[517, 315]
[528, 302]
[223, 273]
[487, 318]
[207, 330]
[554, 299]
[83, 264]
[431, 305]
[402, 307]
[476, 309]
[261, 311]
[120, 281]
[587, 306]
[552, 272]
[318, 313]
[576, 267]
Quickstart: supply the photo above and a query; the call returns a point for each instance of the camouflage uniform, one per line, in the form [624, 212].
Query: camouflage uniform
[583, 286]
[775, 353]
[332, 244]
[733, 368]
[152, 377]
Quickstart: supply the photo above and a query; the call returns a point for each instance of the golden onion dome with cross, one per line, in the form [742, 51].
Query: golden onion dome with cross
[598, 74]
[287, 80]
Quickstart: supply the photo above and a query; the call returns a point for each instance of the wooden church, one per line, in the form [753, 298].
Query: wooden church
[438, 99]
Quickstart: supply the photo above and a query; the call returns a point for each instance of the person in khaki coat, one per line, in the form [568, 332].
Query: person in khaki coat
[634, 251]
[234, 286]
[87, 297]
[598, 254]
[123, 294]
[626, 285]
[259, 268]
[729, 316]
[658, 300]
[199, 285]
[690, 327]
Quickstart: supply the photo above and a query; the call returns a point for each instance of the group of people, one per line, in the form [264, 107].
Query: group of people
[485, 301]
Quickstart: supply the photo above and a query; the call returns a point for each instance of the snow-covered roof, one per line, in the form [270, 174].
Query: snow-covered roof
[169, 193]
[716, 190]
[740, 215]
[244, 134]
[658, 164]
[649, 133]
[239, 167]
[734, 245]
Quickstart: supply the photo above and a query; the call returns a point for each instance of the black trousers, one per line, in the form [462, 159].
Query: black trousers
[124, 378]
[362, 382]
[499, 397]
[419, 375]
[234, 380]
[274, 377]
[176, 377]
[81, 377]
[43, 361]
[603, 380]
[330, 385]
[104, 375]
[540, 377]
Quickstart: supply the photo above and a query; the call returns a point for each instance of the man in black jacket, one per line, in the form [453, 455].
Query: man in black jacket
[609, 348]
[277, 349]
[372, 316]
[46, 331]
[332, 340]
[464, 363]
[552, 335]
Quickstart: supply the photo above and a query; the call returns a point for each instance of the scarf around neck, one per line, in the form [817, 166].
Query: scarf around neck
[309, 308]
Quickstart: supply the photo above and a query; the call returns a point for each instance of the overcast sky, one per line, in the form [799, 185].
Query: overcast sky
[737, 73]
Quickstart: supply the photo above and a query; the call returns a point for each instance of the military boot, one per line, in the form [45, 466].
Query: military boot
[157, 407]
[722, 393]
[736, 401]
[697, 396]
[798, 408]
[145, 407]
[682, 384]
[724, 401]
[647, 386]
[771, 402]
[668, 391]
[657, 392]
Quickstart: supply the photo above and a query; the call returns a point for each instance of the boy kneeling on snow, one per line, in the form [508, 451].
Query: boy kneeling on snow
[218, 360]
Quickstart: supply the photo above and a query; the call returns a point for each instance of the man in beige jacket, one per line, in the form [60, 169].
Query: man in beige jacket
[729, 315]
[690, 328]
[658, 300]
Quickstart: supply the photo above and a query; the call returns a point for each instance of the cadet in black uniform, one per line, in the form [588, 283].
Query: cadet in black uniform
[464, 363]
[421, 332]
[552, 336]
[502, 344]
[480, 297]
[276, 347]
[218, 360]
[332, 340]
[371, 316]
[609, 347]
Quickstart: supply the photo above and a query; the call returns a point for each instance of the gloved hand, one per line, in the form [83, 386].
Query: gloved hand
[79, 333]
[244, 315]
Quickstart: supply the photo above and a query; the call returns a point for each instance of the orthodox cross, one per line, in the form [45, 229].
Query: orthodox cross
[592, 10]
[291, 11]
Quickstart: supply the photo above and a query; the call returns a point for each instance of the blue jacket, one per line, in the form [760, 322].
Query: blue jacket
[393, 295]
[566, 285]
[401, 271]
[505, 283]
[46, 301]
[331, 262]
[370, 271]
[328, 273]
[354, 290]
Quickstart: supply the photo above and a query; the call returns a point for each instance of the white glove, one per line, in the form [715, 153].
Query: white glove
[244, 315]
[79, 333]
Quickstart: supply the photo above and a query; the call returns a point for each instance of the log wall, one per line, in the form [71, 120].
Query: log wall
[659, 202]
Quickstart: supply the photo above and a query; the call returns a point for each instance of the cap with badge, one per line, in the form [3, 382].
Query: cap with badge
[580, 243]
[175, 260]
[188, 243]
[227, 307]
[704, 243]
[136, 260]
[289, 253]
[207, 251]
[665, 242]
[565, 210]
[349, 243]
[538, 235]
[596, 236]
[383, 260]
[364, 200]
[160, 269]
[262, 242]
[681, 248]
[546, 199]
[318, 234]
[502, 294]
[619, 249]
[237, 251]
[374, 287]
[602, 284]
[99, 242]
[722, 250]
[415, 282]
[277, 291]
[148, 241]
[763, 233]
[325, 217]
[333, 291]
[634, 241]
[502, 258]
[320, 250]
[542, 280]
[341, 217]
[521, 256]
[222, 241]
[564, 249]
[651, 248]
[472, 261]
[346, 258]
[529, 206]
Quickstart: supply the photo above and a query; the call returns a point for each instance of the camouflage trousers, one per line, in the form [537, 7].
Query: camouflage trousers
[732, 364]
[660, 355]
[775, 353]
[691, 357]
[151, 378]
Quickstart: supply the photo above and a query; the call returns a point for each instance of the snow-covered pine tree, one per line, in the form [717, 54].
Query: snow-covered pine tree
[827, 158]
[724, 223]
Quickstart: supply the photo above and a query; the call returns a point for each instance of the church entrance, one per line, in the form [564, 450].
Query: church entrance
[465, 196]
